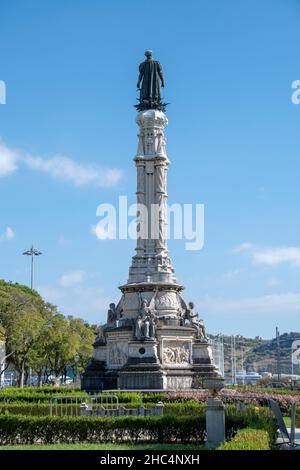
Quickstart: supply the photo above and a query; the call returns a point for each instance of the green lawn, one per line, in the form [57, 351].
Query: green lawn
[287, 421]
[105, 447]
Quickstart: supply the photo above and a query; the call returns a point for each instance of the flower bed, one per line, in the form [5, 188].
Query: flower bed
[231, 396]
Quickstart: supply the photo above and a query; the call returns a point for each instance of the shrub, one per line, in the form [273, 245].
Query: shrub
[17, 429]
[43, 409]
[248, 439]
[35, 394]
[46, 430]
[188, 408]
[23, 408]
[260, 422]
[127, 397]
[298, 416]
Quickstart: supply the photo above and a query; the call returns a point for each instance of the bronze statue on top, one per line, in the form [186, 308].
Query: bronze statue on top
[149, 83]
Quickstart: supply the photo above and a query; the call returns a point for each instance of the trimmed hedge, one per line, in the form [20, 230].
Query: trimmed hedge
[26, 409]
[43, 409]
[35, 395]
[43, 395]
[249, 439]
[186, 408]
[51, 430]
[17, 429]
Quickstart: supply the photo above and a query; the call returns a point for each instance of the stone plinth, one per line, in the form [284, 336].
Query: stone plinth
[215, 423]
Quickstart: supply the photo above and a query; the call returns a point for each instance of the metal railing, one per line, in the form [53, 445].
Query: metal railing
[72, 404]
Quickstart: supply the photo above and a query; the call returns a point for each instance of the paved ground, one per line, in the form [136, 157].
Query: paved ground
[297, 441]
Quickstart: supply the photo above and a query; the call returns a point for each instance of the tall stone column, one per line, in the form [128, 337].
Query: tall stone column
[140, 196]
[161, 201]
[151, 262]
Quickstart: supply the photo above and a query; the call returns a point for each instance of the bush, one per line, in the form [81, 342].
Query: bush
[249, 439]
[298, 417]
[48, 430]
[260, 422]
[127, 397]
[43, 409]
[188, 408]
[17, 429]
[43, 395]
[46, 389]
[27, 409]
[35, 394]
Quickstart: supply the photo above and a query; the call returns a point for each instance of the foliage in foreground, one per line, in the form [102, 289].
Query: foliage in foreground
[249, 439]
[50, 430]
[173, 447]
[16, 429]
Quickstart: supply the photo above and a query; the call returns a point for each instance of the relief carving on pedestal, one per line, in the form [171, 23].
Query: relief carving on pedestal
[167, 300]
[117, 354]
[176, 353]
[179, 383]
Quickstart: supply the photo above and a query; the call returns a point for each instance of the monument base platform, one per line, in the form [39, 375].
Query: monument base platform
[175, 360]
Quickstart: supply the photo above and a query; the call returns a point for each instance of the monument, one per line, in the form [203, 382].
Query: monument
[152, 338]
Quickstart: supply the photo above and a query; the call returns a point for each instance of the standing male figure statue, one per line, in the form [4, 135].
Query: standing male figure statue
[149, 82]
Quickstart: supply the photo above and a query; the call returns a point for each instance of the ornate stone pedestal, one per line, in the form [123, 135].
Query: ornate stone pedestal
[152, 338]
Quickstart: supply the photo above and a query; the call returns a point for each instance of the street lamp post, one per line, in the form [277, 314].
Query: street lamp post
[32, 252]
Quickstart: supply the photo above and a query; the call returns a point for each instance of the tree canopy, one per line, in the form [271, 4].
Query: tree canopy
[39, 337]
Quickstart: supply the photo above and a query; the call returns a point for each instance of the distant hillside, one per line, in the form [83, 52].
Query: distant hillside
[260, 355]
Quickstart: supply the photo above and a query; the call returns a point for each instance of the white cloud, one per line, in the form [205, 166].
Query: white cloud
[265, 305]
[62, 241]
[51, 294]
[233, 274]
[273, 282]
[8, 234]
[65, 169]
[88, 302]
[8, 160]
[274, 256]
[271, 256]
[72, 278]
[102, 232]
[60, 167]
[243, 247]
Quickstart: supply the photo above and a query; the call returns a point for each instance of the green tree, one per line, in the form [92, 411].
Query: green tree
[39, 337]
[62, 345]
[85, 340]
[21, 320]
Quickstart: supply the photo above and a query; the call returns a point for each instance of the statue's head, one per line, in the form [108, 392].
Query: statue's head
[191, 305]
[149, 54]
[112, 306]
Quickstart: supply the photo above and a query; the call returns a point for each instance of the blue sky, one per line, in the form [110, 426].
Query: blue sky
[68, 138]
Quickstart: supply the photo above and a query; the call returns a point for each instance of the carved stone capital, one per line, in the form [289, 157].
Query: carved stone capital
[151, 118]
